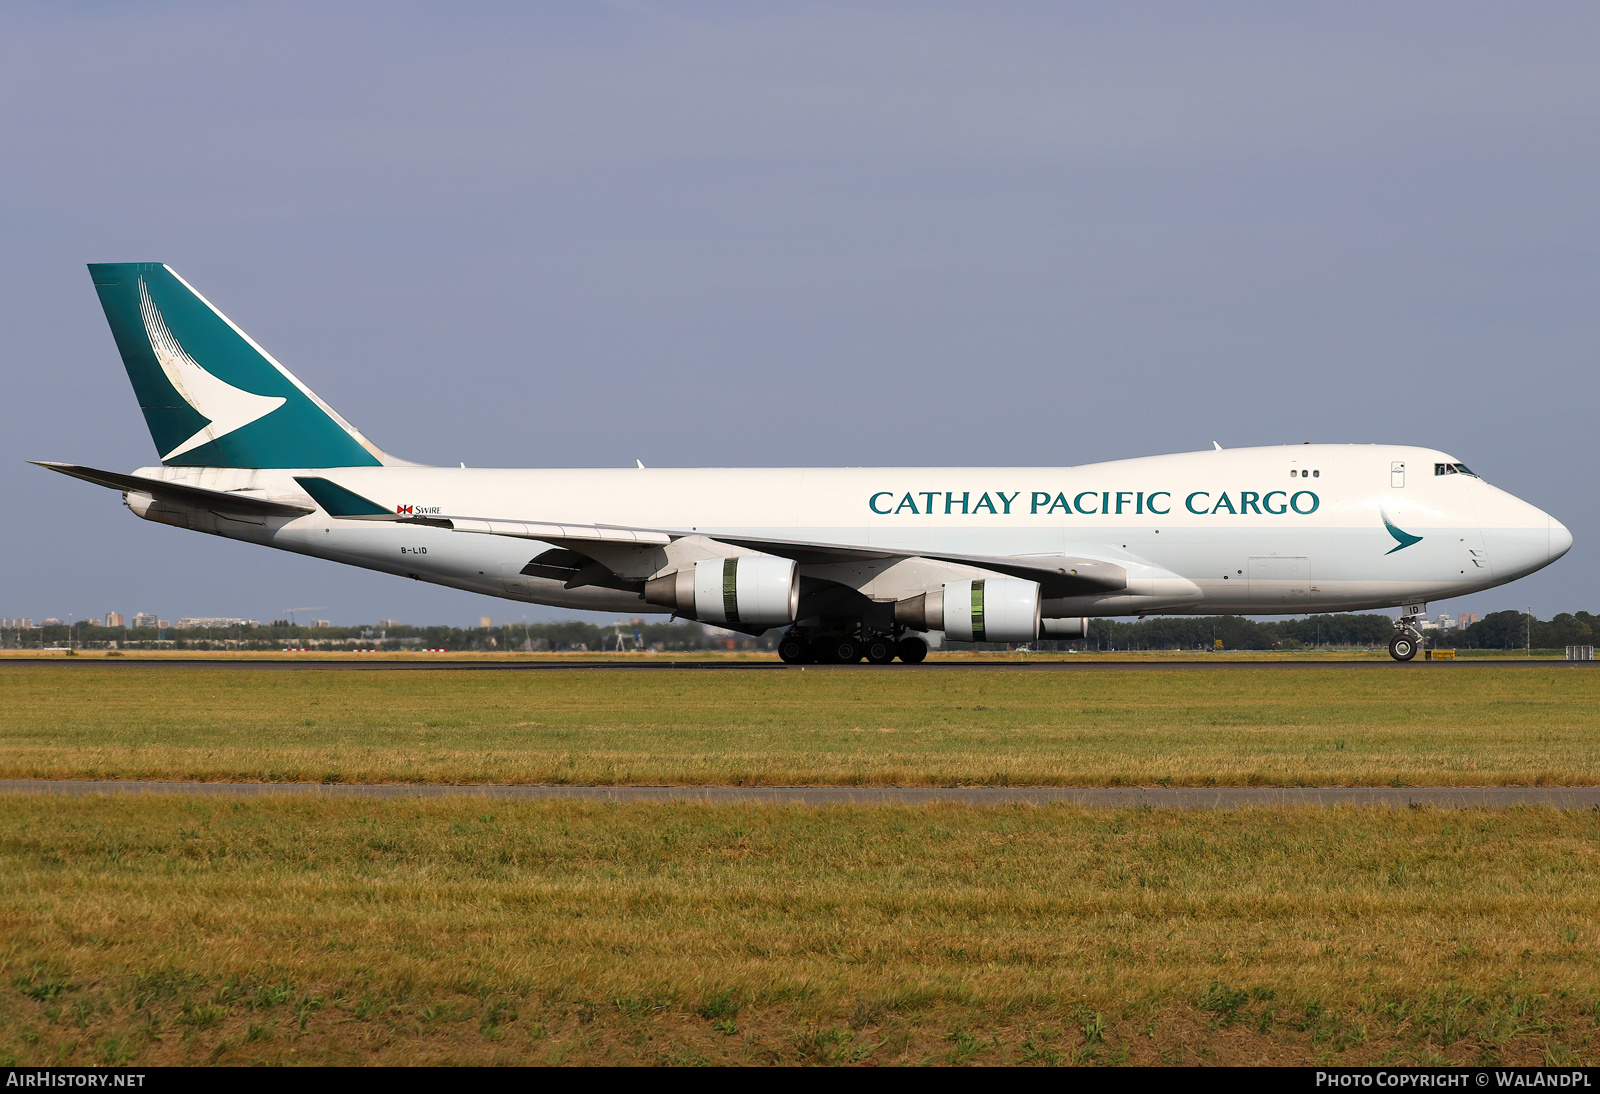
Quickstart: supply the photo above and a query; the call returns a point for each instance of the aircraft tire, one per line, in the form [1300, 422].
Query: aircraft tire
[880, 650]
[793, 650]
[912, 650]
[844, 651]
[1402, 647]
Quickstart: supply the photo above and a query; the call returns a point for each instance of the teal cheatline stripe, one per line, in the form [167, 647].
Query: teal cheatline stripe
[1403, 539]
[338, 501]
[730, 589]
[977, 611]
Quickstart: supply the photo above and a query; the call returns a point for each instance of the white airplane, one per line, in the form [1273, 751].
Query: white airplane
[854, 562]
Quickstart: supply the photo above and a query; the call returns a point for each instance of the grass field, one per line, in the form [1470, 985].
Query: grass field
[161, 930]
[1420, 726]
[151, 929]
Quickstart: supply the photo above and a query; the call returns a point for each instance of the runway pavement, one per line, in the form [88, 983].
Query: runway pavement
[660, 664]
[1227, 797]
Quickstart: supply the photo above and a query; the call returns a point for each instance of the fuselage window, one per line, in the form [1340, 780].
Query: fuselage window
[1316, 474]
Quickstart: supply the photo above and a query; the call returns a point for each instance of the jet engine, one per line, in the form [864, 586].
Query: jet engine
[995, 609]
[1076, 627]
[759, 589]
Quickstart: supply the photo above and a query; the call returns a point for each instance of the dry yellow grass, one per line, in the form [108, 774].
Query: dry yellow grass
[159, 930]
[1419, 725]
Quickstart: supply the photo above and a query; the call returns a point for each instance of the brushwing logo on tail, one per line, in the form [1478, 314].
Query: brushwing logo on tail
[228, 408]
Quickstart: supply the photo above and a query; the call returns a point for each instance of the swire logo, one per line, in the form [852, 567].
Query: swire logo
[889, 503]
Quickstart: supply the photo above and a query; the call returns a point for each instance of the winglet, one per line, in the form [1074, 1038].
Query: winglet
[342, 503]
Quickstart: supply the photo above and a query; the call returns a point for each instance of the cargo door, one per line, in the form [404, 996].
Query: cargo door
[1280, 584]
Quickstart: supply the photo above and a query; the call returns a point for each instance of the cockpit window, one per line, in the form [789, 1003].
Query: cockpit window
[1461, 469]
[1451, 469]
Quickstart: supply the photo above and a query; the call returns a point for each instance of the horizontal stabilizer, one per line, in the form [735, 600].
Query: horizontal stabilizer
[348, 505]
[342, 503]
[177, 492]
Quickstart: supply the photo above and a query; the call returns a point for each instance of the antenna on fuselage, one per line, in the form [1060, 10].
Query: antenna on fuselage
[1217, 446]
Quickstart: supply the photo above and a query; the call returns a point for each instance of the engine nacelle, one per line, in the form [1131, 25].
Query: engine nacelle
[995, 609]
[759, 589]
[1077, 627]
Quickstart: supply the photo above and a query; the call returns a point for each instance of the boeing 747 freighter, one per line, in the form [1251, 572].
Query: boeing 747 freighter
[853, 562]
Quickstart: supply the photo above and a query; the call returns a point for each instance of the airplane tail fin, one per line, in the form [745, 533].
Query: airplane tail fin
[211, 396]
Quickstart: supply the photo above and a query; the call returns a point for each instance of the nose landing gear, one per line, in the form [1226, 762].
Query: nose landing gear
[1407, 640]
[1402, 647]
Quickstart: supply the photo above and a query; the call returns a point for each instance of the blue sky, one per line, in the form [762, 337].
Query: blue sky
[564, 234]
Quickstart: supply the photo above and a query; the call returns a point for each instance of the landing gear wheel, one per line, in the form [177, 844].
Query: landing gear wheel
[844, 651]
[1402, 647]
[912, 650]
[793, 650]
[880, 650]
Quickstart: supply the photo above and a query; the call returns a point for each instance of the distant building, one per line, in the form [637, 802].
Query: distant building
[17, 624]
[390, 623]
[211, 622]
[1446, 622]
[163, 624]
[52, 622]
[113, 619]
[485, 622]
[321, 623]
[143, 619]
[1466, 619]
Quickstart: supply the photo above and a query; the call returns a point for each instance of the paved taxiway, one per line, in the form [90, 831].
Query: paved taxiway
[1224, 797]
[657, 665]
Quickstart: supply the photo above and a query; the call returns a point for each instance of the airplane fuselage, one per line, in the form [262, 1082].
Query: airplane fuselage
[1260, 531]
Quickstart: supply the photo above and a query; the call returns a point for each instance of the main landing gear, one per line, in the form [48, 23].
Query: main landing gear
[797, 647]
[1407, 639]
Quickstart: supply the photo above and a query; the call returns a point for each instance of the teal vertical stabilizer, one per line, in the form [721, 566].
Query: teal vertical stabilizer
[210, 395]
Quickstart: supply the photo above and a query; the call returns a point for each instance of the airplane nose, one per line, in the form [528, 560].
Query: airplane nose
[1560, 539]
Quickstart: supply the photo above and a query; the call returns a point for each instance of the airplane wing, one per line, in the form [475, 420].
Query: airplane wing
[177, 492]
[1058, 576]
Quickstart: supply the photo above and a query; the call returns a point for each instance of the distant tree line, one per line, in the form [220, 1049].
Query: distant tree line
[1496, 631]
[1514, 630]
[1236, 633]
[557, 637]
